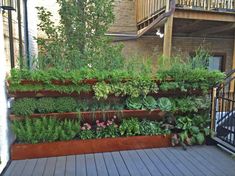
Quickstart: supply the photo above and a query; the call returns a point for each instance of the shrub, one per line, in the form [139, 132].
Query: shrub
[24, 106]
[151, 128]
[45, 130]
[66, 104]
[149, 103]
[164, 104]
[134, 103]
[46, 105]
[107, 129]
[130, 127]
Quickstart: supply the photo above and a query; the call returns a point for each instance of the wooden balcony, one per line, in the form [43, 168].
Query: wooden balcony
[147, 11]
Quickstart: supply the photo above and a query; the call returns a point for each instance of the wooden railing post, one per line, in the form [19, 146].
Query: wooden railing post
[213, 109]
[168, 28]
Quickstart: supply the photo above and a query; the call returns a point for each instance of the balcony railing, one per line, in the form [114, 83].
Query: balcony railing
[207, 4]
[147, 10]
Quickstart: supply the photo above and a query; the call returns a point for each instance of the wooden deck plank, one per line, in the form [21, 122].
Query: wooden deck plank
[130, 164]
[10, 168]
[221, 154]
[199, 165]
[158, 163]
[205, 162]
[70, 168]
[19, 167]
[100, 165]
[177, 162]
[196, 161]
[174, 170]
[148, 163]
[40, 167]
[60, 166]
[90, 165]
[80, 165]
[50, 167]
[111, 167]
[29, 167]
[214, 160]
[186, 162]
[139, 163]
[121, 166]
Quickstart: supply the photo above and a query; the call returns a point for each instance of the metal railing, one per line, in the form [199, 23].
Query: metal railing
[223, 109]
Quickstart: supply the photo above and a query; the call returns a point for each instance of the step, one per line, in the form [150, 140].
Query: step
[224, 144]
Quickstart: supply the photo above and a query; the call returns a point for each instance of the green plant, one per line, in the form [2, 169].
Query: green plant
[129, 127]
[107, 129]
[45, 130]
[151, 128]
[24, 106]
[134, 103]
[164, 104]
[79, 38]
[46, 105]
[86, 132]
[149, 103]
[193, 130]
[66, 104]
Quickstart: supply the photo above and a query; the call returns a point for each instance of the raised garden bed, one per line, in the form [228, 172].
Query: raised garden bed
[99, 115]
[75, 147]
[50, 93]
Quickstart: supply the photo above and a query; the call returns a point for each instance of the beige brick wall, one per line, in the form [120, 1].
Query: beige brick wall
[125, 17]
[182, 46]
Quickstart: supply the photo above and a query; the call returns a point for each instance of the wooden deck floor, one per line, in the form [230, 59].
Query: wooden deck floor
[196, 161]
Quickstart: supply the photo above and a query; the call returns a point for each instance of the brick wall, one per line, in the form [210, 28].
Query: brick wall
[152, 47]
[125, 17]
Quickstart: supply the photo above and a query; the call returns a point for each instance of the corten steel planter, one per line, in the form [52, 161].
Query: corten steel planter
[51, 93]
[91, 117]
[75, 147]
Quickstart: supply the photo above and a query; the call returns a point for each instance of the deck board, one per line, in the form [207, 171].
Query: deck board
[29, 167]
[50, 167]
[186, 162]
[100, 164]
[80, 165]
[121, 166]
[110, 164]
[60, 166]
[225, 169]
[70, 168]
[19, 167]
[196, 161]
[40, 167]
[177, 162]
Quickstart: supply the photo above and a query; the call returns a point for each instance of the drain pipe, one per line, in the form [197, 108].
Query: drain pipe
[26, 32]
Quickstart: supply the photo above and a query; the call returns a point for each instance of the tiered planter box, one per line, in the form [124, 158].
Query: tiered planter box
[75, 147]
[99, 115]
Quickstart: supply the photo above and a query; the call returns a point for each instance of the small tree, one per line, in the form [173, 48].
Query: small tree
[79, 39]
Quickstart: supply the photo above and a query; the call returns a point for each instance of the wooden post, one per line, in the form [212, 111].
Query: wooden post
[167, 45]
[232, 87]
[213, 110]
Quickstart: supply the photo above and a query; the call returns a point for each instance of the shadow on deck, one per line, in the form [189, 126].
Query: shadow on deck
[196, 161]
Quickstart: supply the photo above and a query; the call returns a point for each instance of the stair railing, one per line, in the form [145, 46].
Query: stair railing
[223, 109]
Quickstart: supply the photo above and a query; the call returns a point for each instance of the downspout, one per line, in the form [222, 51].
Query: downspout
[19, 29]
[26, 32]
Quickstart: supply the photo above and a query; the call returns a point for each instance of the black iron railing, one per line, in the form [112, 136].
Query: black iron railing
[223, 109]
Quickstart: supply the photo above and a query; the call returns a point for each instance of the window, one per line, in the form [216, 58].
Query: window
[216, 62]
